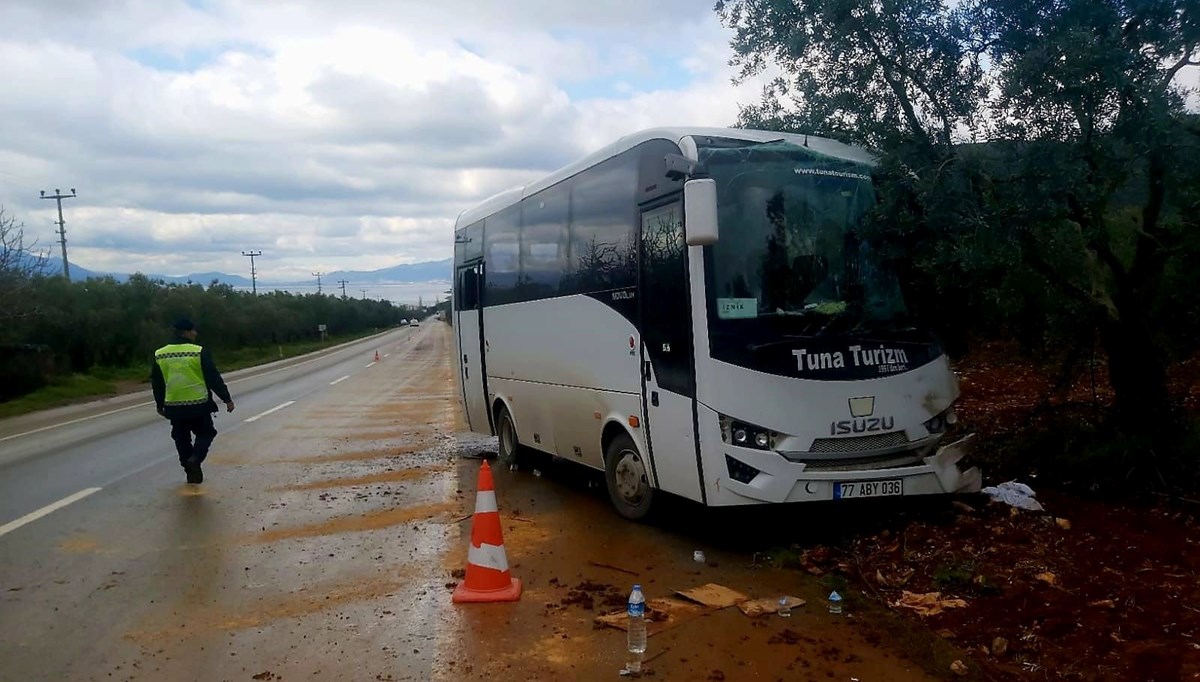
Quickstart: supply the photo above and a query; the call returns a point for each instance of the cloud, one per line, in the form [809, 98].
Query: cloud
[330, 135]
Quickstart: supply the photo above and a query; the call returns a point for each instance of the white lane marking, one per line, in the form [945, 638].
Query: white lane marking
[371, 365]
[335, 382]
[273, 410]
[48, 509]
[387, 355]
[76, 421]
[147, 404]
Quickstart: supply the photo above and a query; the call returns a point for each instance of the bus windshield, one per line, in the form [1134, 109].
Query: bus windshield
[790, 244]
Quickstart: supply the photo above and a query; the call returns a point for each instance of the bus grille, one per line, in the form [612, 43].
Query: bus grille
[892, 461]
[859, 443]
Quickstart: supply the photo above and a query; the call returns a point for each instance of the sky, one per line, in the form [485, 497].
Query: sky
[329, 135]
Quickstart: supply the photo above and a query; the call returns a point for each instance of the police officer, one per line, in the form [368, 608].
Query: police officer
[184, 378]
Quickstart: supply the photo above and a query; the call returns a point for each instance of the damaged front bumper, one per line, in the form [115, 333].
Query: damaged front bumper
[779, 480]
[945, 465]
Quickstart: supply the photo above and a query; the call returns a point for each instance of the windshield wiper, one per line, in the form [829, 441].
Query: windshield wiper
[780, 341]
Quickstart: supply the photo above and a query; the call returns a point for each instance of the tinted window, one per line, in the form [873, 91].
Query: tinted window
[666, 311]
[603, 232]
[467, 289]
[502, 240]
[545, 241]
[468, 243]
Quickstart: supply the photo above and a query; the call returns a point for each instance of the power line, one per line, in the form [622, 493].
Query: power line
[343, 282]
[253, 270]
[318, 276]
[62, 226]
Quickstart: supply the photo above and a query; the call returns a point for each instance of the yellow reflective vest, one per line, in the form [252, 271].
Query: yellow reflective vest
[182, 373]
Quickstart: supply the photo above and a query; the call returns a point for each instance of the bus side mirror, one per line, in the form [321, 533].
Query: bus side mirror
[700, 211]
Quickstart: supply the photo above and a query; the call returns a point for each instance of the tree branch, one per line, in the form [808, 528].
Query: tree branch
[1184, 61]
[1148, 256]
[906, 104]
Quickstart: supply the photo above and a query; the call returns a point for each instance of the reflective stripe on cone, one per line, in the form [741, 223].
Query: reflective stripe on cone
[487, 579]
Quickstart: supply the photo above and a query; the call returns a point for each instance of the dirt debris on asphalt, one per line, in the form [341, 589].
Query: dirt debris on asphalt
[557, 629]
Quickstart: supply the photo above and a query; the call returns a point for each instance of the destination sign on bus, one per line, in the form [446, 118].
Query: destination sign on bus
[886, 360]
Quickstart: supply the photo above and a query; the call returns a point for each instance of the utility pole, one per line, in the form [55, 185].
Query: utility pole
[364, 293]
[253, 271]
[318, 276]
[343, 282]
[62, 226]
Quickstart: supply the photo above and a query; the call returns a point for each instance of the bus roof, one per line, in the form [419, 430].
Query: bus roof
[511, 196]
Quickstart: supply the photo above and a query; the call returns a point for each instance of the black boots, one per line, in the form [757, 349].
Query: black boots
[194, 473]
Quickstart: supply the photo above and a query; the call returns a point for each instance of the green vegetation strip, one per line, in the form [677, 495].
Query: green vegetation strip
[107, 381]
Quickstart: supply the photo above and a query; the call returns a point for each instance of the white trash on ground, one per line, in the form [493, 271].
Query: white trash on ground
[1014, 494]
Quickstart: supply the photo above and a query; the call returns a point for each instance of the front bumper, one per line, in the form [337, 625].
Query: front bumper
[780, 480]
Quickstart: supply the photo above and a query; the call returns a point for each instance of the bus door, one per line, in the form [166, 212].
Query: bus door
[468, 325]
[668, 373]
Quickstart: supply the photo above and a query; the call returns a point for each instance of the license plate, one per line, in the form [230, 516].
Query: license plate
[856, 489]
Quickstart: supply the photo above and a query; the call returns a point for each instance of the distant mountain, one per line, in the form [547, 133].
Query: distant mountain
[439, 270]
[53, 266]
[81, 274]
[413, 272]
[206, 278]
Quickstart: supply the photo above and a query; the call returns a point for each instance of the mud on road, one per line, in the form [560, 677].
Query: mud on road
[578, 560]
[326, 541]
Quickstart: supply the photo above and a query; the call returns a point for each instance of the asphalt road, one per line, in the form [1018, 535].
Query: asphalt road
[111, 567]
[48, 456]
[331, 528]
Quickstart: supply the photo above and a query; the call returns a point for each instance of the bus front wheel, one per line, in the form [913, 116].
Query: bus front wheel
[627, 479]
[506, 431]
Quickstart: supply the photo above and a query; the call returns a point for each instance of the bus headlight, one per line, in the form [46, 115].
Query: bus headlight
[939, 423]
[745, 435]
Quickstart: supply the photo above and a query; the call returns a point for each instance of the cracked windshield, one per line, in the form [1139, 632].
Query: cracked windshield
[813, 340]
[792, 246]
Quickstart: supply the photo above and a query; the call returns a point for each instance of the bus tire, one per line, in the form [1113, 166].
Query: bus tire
[627, 479]
[506, 431]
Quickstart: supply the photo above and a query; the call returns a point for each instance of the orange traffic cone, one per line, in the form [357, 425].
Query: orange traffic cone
[376, 356]
[488, 579]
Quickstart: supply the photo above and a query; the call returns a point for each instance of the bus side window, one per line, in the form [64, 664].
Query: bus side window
[603, 229]
[468, 290]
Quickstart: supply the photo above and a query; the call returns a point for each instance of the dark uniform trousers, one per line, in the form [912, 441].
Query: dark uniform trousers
[182, 430]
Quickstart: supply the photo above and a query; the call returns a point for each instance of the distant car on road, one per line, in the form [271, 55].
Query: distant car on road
[414, 323]
[404, 321]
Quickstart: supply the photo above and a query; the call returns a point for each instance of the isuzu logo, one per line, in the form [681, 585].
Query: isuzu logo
[862, 410]
[862, 407]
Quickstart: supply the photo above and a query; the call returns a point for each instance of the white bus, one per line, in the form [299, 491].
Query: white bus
[693, 312]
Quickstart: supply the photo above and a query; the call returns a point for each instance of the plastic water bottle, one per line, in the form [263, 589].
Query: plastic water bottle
[637, 629]
[835, 603]
[785, 607]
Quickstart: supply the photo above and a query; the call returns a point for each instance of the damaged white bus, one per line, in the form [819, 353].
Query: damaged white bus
[693, 312]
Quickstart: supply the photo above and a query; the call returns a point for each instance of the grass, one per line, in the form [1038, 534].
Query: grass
[107, 381]
[64, 391]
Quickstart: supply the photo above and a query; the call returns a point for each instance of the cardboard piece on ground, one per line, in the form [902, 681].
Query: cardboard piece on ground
[663, 613]
[761, 607]
[713, 595]
[928, 604]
